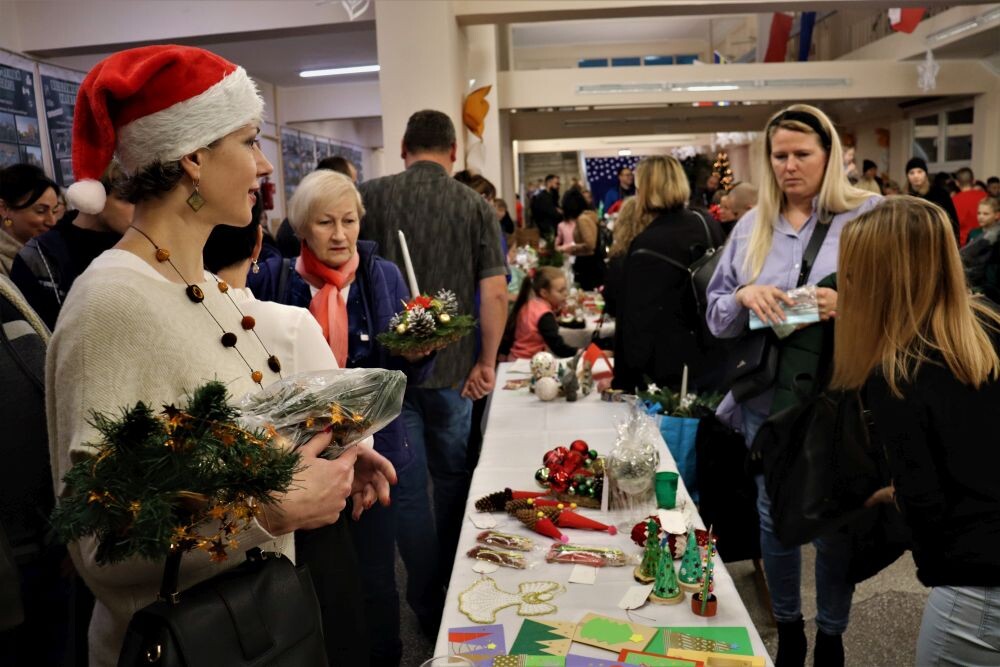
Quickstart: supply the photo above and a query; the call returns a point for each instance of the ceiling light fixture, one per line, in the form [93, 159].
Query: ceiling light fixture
[707, 86]
[624, 152]
[963, 27]
[338, 71]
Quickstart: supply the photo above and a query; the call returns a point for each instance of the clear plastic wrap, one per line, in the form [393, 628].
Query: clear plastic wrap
[805, 311]
[582, 555]
[354, 403]
[631, 465]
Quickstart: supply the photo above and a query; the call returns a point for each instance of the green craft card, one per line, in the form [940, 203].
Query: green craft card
[735, 640]
[543, 638]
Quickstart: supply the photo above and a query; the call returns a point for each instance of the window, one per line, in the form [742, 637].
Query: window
[593, 62]
[649, 61]
[944, 139]
[626, 62]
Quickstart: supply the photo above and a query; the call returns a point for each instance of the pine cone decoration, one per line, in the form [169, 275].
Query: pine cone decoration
[420, 323]
[494, 502]
[449, 302]
[396, 320]
[513, 506]
[529, 517]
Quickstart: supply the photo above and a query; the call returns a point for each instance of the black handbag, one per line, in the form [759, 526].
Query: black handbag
[752, 366]
[262, 612]
[819, 465]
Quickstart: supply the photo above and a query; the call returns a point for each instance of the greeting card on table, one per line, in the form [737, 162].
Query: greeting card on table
[734, 640]
[479, 643]
[718, 659]
[529, 661]
[582, 661]
[654, 660]
[613, 634]
[543, 638]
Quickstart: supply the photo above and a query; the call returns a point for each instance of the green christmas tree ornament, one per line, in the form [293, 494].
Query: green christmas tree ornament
[645, 572]
[689, 573]
[666, 590]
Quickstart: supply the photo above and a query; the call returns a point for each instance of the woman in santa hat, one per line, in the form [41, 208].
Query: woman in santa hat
[145, 322]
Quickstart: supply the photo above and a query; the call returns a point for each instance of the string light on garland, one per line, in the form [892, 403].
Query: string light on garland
[722, 168]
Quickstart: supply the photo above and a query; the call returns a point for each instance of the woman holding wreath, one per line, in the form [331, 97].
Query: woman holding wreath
[145, 322]
[803, 190]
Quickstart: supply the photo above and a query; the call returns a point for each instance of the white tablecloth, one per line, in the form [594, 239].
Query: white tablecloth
[520, 430]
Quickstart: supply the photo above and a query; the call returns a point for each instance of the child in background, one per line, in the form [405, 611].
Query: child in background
[981, 254]
[532, 326]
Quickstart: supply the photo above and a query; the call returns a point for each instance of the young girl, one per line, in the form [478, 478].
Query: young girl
[532, 325]
[931, 380]
[981, 255]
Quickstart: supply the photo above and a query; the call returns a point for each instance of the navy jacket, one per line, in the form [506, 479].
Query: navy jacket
[384, 291]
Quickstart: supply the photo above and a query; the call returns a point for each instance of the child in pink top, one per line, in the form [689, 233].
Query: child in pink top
[532, 327]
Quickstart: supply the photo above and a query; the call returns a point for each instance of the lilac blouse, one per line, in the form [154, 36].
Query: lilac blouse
[727, 319]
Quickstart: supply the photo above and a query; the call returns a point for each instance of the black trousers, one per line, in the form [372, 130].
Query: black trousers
[333, 565]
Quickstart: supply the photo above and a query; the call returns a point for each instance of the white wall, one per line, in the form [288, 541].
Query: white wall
[10, 36]
[358, 99]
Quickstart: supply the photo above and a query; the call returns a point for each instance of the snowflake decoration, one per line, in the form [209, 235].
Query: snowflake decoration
[927, 72]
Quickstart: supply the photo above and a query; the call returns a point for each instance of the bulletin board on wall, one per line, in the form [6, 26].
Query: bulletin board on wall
[59, 89]
[21, 137]
[300, 151]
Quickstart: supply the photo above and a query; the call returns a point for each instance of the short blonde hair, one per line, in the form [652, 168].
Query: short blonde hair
[661, 184]
[316, 191]
[891, 318]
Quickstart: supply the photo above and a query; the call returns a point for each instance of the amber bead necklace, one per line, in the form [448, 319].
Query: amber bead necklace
[228, 340]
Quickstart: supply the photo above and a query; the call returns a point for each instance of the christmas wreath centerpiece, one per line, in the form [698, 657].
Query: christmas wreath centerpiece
[175, 481]
[426, 324]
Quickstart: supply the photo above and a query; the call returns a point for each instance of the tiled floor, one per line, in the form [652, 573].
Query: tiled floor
[885, 618]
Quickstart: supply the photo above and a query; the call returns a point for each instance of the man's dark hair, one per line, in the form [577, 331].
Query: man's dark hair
[229, 245]
[336, 163]
[429, 131]
[548, 179]
[573, 204]
[992, 179]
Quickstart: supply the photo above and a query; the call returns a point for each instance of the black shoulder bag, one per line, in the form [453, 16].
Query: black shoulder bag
[752, 366]
[262, 612]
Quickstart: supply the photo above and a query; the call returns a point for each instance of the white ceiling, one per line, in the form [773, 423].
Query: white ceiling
[616, 31]
[279, 59]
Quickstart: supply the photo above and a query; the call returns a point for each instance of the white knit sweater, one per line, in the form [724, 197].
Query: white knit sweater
[127, 334]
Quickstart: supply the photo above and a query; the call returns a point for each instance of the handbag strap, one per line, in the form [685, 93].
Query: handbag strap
[709, 241]
[812, 250]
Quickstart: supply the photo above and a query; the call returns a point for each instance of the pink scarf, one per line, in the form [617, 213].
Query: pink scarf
[328, 306]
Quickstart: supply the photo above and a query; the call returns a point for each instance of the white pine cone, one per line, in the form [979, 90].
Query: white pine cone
[396, 320]
[449, 302]
[420, 323]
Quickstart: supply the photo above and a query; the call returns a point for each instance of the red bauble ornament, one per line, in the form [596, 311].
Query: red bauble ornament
[559, 480]
[552, 459]
[572, 461]
[579, 446]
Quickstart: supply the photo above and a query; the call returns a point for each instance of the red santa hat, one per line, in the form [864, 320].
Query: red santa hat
[154, 104]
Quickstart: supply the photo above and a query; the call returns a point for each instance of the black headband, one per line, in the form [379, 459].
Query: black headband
[806, 119]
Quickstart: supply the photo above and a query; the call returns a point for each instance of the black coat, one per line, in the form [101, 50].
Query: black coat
[545, 213]
[661, 329]
[941, 197]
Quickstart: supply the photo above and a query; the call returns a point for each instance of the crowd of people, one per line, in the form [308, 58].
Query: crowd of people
[165, 250]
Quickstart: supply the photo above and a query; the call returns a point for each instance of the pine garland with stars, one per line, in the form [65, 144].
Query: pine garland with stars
[724, 170]
[186, 478]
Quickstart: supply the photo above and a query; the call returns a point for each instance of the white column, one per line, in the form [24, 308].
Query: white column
[986, 135]
[900, 149]
[421, 52]
[481, 70]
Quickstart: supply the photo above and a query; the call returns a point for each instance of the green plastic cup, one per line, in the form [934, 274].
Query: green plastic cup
[666, 490]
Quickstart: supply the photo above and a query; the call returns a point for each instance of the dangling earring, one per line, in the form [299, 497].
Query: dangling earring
[256, 267]
[7, 222]
[196, 201]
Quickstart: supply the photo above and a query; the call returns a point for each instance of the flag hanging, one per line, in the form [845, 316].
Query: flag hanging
[807, 20]
[905, 20]
[777, 43]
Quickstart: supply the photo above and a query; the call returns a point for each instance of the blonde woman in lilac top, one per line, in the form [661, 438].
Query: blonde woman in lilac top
[803, 186]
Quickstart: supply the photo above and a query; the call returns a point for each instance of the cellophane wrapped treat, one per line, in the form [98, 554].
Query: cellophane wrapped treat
[353, 402]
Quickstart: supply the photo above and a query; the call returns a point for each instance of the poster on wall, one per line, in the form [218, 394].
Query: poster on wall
[59, 88]
[291, 161]
[20, 134]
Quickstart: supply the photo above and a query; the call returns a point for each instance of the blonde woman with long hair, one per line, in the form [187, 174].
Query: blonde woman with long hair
[658, 318]
[924, 351]
[803, 189]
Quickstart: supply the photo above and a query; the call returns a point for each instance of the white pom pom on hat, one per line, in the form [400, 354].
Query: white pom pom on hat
[154, 104]
[87, 196]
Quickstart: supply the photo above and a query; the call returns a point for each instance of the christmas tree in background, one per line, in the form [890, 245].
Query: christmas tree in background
[666, 590]
[725, 172]
[689, 573]
[646, 572]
